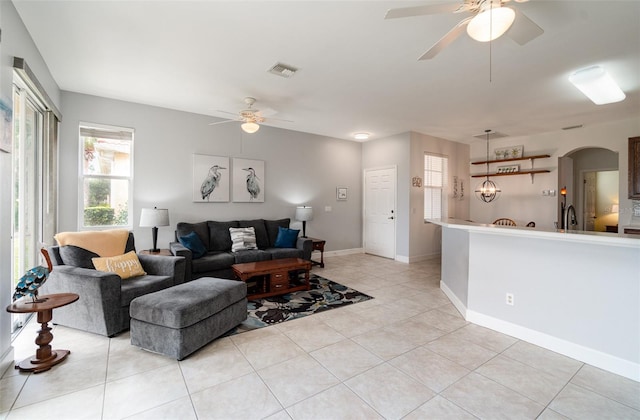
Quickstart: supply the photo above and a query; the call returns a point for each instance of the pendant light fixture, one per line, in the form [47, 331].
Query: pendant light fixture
[488, 190]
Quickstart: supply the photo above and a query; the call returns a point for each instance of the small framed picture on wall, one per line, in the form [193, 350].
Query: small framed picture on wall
[341, 193]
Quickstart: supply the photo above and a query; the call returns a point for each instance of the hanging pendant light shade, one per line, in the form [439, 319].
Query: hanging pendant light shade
[488, 190]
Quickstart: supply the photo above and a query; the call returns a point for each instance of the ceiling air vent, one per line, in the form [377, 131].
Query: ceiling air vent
[283, 70]
[492, 135]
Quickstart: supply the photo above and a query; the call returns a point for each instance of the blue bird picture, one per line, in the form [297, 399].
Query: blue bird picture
[34, 278]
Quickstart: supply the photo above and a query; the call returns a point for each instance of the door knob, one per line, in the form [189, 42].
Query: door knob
[390, 217]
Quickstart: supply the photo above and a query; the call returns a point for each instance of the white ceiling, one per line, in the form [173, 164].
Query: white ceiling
[358, 71]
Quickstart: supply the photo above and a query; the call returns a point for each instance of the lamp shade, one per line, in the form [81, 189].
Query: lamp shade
[597, 85]
[491, 24]
[154, 217]
[250, 127]
[304, 213]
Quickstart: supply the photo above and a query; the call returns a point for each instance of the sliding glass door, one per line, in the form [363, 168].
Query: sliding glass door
[28, 122]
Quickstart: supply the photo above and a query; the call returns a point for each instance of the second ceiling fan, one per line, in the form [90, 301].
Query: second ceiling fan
[250, 117]
[489, 20]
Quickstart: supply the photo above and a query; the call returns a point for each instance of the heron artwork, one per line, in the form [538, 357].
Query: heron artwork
[34, 278]
[253, 183]
[211, 182]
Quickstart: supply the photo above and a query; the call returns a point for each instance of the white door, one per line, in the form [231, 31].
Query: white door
[380, 212]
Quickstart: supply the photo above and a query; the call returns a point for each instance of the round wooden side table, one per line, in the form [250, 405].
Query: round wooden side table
[44, 357]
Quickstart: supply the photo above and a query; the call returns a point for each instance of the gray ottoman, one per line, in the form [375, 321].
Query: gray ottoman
[179, 320]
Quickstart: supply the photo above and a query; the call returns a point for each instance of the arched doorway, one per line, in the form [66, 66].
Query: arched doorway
[591, 179]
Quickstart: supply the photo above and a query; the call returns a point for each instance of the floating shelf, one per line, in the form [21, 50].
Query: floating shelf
[511, 160]
[530, 172]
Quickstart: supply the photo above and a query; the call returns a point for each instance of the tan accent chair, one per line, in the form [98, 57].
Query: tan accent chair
[503, 221]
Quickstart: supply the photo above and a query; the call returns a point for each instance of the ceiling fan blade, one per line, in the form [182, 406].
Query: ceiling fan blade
[227, 112]
[523, 29]
[451, 36]
[430, 9]
[267, 119]
[223, 122]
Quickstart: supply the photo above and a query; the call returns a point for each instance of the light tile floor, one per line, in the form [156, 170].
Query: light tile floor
[405, 354]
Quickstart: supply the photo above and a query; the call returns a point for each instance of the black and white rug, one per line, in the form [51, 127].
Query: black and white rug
[324, 295]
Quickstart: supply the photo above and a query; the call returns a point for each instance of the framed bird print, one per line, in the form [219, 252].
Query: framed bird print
[211, 176]
[248, 181]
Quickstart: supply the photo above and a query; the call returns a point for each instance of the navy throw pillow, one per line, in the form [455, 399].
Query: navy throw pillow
[194, 244]
[286, 237]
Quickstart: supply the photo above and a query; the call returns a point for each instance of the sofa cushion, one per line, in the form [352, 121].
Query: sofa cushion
[262, 240]
[272, 229]
[242, 238]
[201, 229]
[213, 261]
[126, 265]
[138, 286]
[195, 245]
[278, 253]
[76, 256]
[287, 238]
[251, 255]
[219, 238]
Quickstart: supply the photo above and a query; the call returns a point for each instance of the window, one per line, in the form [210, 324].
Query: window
[106, 180]
[435, 181]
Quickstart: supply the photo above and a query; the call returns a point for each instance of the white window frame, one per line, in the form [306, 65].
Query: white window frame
[429, 188]
[82, 175]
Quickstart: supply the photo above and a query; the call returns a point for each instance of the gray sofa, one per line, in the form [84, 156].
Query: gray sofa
[219, 258]
[103, 307]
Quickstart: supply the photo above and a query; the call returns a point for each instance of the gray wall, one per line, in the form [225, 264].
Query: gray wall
[16, 41]
[300, 168]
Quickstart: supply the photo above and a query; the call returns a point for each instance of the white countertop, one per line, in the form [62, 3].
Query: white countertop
[618, 239]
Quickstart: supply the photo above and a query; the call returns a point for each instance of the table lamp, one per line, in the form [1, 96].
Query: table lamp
[304, 213]
[153, 218]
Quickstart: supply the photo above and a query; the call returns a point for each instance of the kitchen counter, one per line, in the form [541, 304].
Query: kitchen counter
[576, 293]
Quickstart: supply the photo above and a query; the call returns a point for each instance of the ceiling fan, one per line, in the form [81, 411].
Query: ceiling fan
[249, 117]
[489, 20]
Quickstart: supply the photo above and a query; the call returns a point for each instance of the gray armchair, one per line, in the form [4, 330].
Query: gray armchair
[103, 307]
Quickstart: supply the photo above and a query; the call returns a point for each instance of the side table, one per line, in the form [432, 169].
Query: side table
[44, 357]
[164, 252]
[318, 245]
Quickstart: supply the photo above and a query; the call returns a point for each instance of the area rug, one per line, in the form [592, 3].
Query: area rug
[323, 295]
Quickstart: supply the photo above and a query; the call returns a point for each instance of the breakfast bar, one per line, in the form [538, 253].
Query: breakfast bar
[576, 293]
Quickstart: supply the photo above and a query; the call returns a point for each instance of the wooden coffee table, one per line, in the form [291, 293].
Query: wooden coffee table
[277, 276]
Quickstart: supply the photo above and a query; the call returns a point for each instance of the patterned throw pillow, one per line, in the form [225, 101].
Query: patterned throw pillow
[126, 266]
[243, 238]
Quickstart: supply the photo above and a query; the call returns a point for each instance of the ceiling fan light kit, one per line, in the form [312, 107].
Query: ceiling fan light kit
[597, 85]
[250, 127]
[491, 24]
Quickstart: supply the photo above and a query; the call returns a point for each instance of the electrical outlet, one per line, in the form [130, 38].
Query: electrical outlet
[509, 299]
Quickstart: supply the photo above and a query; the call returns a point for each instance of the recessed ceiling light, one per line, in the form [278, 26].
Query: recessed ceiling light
[597, 85]
[361, 136]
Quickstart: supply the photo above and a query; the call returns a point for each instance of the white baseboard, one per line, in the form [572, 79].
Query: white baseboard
[593, 357]
[461, 307]
[426, 257]
[402, 259]
[343, 252]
